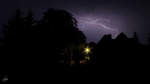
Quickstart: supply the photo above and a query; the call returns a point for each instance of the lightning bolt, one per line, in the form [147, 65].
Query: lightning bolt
[96, 22]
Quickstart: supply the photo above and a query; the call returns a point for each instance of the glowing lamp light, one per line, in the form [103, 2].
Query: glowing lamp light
[87, 50]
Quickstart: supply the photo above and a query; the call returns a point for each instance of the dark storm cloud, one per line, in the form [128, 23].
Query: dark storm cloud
[121, 15]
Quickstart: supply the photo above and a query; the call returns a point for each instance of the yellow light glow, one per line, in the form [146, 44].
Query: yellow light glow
[87, 50]
[87, 57]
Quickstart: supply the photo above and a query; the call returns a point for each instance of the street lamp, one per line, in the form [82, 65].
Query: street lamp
[87, 50]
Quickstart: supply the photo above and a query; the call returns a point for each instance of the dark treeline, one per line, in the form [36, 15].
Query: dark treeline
[54, 44]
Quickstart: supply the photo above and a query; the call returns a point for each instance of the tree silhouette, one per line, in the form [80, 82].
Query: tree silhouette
[60, 23]
[58, 30]
[56, 36]
[29, 22]
[14, 29]
[55, 39]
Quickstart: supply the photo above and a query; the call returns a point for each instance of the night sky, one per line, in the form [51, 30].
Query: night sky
[95, 17]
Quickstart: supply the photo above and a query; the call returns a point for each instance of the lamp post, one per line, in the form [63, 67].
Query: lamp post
[87, 50]
[86, 59]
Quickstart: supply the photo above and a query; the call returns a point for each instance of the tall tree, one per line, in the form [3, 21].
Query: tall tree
[29, 26]
[14, 29]
[58, 29]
